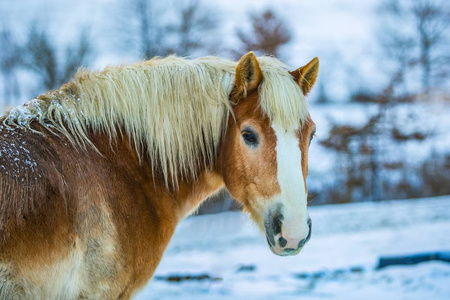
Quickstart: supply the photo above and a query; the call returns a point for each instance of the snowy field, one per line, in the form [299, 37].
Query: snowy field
[231, 259]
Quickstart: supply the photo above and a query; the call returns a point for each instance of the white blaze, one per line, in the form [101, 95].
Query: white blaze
[290, 179]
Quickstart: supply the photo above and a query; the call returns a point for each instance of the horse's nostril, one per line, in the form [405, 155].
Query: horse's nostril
[305, 240]
[310, 229]
[282, 241]
[276, 226]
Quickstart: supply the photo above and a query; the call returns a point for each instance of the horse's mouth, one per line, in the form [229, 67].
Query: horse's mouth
[280, 246]
[281, 251]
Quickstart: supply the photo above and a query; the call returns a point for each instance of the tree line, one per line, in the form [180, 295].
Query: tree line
[188, 29]
[371, 161]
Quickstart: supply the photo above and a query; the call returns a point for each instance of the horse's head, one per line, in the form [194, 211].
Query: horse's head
[264, 161]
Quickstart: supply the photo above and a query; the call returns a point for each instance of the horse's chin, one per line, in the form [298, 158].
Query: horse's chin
[287, 252]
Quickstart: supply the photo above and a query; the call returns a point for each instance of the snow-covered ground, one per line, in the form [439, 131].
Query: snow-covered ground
[338, 263]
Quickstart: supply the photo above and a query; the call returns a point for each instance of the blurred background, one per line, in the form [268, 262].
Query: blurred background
[382, 109]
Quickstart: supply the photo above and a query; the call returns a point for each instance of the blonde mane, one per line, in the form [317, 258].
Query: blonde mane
[176, 109]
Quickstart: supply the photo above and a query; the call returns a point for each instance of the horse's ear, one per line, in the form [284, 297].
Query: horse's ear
[248, 74]
[306, 76]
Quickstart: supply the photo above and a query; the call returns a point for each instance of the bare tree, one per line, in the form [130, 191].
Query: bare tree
[367, 152]
[183, 27]
[9, 62]
[421, 40]
[432, 20]
[194, 29]
[41, 56]
[149, 36]
[268, 34]
[140, 30]
[363, 149]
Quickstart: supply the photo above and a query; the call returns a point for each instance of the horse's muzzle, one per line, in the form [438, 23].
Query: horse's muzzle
[283, 245]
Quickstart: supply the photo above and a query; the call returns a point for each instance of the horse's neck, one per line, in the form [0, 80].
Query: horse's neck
[192, 193]
[189, 194]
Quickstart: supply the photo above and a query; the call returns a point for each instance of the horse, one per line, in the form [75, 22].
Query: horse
[96, 175]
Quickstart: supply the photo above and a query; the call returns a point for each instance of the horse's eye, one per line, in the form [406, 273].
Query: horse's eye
[250, 138]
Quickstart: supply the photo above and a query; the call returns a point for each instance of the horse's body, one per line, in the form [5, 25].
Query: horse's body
[95, 226]
[90, 196]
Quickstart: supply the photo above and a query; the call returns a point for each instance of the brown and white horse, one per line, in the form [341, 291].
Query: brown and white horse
[94, 177]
